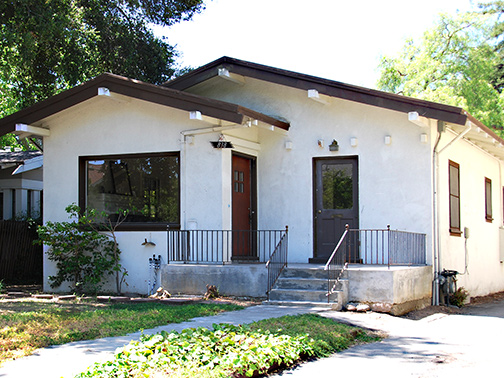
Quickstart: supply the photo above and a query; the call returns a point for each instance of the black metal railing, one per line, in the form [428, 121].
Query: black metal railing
[374, 247]
[385, 247]
[277, 261]
[222, 246]
[336, 264]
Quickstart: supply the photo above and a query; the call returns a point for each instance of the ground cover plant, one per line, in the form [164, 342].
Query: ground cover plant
[231, 351]
[29, 325]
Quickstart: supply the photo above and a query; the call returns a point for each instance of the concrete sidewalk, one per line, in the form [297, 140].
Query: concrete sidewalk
[70, 359]
[440, 345]
[437, 346]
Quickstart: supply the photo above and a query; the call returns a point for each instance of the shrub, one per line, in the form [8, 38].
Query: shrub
[83, 255]
[459, 297]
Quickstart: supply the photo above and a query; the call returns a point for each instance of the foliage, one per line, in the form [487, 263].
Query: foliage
[329, 336]
[227, 350]
[2, 286]
[83, 256]
[28, 325]
[453, 63]
[459, 297]
[47, 46]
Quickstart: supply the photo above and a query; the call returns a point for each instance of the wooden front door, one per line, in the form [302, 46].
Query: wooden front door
[243, 207]
[335, 204]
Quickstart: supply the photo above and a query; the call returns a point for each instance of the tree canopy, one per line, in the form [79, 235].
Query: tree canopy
[47, 46]
[456, 62]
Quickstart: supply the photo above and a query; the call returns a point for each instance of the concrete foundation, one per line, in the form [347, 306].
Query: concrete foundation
[396, 290]
[241, 280]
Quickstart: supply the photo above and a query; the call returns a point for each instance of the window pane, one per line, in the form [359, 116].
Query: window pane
[337, 186]
[146, 186]
[454, 180]
[454, 212]
[488, 198]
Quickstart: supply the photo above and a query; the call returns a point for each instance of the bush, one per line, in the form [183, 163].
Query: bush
[459, 297]
[83, 255]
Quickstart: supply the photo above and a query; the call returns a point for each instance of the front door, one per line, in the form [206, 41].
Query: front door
[335, 203]
[243, 204]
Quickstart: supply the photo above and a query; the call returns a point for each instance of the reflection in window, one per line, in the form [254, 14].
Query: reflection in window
[146, 185]
[337, 186]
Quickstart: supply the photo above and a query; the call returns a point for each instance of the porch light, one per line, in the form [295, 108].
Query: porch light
[417, 119]
[195, 115]
[102, 91]
[313, 94]
[334, 146]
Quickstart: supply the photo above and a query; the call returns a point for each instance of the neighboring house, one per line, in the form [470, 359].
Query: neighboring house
[239, 146]
[20, 184]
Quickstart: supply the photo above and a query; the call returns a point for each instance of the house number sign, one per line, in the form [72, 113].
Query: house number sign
[222, 143]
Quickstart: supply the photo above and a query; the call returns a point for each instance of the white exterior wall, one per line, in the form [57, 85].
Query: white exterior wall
[395, 184]
[485, 270]
[118, 125]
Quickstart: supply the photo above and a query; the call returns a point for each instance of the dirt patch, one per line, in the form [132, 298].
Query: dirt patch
[430, 310]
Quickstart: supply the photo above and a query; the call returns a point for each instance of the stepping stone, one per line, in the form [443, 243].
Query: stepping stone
[66, 297]
[18, 294]
[43, 296]
[141, 300]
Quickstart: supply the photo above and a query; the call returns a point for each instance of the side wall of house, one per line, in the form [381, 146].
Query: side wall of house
[395, 184]
[475, 253]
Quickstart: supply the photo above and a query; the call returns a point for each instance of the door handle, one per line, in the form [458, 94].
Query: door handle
[320, 211]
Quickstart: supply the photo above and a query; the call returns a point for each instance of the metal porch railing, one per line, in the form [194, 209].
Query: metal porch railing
[374, 247]
[222, 246]
[277, 261]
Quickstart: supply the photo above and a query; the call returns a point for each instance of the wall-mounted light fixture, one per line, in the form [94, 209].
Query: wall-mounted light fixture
[334, 146]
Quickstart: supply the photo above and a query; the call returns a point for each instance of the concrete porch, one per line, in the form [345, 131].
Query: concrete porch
[394, 289]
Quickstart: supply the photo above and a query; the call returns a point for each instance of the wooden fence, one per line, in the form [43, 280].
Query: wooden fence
[20, 259]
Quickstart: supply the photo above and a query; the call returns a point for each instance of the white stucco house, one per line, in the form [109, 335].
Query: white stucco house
[20, 184]
[219, 161]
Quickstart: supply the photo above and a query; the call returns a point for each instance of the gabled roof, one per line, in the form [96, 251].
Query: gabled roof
[17, 157]
[456, 117]
[139, 90]
[327, 87]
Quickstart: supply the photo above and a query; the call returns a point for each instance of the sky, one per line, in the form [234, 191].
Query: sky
[333, 39]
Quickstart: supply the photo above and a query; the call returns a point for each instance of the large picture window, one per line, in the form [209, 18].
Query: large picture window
[147, 185]
[454, 187]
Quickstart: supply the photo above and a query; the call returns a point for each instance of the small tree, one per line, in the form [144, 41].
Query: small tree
[84, 256]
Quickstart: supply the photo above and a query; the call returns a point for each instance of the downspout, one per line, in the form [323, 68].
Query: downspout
[437, 238]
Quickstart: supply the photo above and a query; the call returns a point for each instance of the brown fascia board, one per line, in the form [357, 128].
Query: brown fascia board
[139, 90]
[327, 87]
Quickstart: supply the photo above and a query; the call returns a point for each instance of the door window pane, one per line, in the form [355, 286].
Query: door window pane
[337, 186]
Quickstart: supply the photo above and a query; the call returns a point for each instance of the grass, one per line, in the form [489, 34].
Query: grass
[232, 351]
[29, 325]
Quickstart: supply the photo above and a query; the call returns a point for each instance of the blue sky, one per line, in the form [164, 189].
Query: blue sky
[338, 40]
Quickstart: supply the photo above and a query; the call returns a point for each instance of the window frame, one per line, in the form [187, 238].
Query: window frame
[488, 200]
[129, 226]
[454, 230]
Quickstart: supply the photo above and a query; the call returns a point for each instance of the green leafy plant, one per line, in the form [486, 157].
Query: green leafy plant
[459, 297]
[84, 256]
[2, 286]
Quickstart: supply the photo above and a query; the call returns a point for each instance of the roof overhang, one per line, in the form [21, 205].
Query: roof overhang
[106, 84]
[240, 68]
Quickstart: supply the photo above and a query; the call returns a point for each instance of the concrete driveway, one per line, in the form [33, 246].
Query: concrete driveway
[440, 345]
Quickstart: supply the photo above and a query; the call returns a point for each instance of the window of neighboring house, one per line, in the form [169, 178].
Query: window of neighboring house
[147, 185]
[488, 199]
[454, 187]
[29, 203]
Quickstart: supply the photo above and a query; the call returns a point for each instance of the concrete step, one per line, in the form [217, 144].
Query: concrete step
[322, 305]
[315, 272]
[306, 283]
[300, 295]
